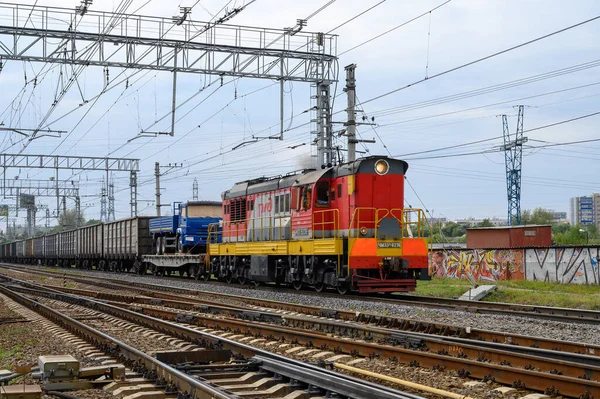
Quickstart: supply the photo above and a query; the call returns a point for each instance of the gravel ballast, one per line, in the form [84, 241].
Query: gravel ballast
[578, 332]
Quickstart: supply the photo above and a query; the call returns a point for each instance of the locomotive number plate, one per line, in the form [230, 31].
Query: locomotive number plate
[388, 244]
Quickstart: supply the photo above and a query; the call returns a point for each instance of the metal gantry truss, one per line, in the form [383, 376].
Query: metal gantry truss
[59, 162]
[41, 188]
[92, 38]
[513, 157]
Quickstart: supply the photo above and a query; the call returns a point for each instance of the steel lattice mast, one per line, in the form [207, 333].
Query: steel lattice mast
[85, 37]
[513, 158]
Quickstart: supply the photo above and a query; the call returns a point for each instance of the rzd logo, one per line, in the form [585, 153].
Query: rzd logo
[265, 207]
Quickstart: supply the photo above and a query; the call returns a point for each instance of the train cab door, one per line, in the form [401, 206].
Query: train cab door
[324, 222]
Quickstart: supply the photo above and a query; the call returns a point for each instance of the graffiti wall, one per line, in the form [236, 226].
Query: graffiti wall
[478, 264]
[564, 265]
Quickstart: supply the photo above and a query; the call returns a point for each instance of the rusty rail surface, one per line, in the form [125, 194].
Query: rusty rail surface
[327, 380]
[194, 298]
[569, 378]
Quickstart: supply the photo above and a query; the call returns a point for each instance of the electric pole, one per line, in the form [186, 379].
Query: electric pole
[513, 157]
[111, 201]
[157, 175]
[103, 215]
[195, 190]
[350, 90]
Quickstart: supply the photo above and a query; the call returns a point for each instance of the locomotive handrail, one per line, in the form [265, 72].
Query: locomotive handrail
[403, 216]
[255, 227]
[407, 221]
[335, 213]
[369, 223]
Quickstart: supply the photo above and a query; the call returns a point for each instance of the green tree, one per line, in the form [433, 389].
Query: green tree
[92, 221]
[68, 220]
[485, 223]
[560, 228]
[537, 216]
[573, 236]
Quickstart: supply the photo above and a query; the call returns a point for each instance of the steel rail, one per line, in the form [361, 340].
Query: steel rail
[502, 373]
[407, 325]
[351, 329]
[185, 383]
[318, 376]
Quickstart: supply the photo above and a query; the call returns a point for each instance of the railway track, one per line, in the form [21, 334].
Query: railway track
[571, 370]
[568, 315]
[189, 299]
[225, 369]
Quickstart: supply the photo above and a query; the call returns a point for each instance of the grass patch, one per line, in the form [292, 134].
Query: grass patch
[8, 355]
[442, 287]
[520, 292]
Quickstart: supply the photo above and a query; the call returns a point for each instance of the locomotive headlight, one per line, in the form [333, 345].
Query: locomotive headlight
[363, 231]
[382, 167]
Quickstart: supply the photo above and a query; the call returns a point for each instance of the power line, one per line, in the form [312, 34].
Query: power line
[356, 16]
[498, 137]
[490, 89]
[394, 28]
[482, 59]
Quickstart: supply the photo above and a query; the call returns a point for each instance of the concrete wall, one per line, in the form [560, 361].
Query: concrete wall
[564, 265]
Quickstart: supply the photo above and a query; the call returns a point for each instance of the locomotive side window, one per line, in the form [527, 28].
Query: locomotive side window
[296, 199]
[339, 190]
[323, 193]
[306, 198]
[277, 197]
[286, 197]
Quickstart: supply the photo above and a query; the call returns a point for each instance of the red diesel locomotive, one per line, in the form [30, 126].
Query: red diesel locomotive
[343, 226]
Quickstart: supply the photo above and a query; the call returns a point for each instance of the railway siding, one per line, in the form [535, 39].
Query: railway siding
[484, 363]
[323, 381]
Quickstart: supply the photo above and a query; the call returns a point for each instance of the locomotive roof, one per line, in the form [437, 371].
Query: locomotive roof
[311, 176]
[204, 202]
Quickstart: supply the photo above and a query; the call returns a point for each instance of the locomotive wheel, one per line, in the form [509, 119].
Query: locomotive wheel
[139, 268]
[319, 287]
[206, 276]
[242, 280]
[298, 285]
[343, 288]
[229, 278]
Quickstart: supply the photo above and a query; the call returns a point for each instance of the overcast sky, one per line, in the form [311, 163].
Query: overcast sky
[420, 118]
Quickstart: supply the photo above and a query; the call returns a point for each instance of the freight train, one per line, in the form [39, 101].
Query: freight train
[343, 227]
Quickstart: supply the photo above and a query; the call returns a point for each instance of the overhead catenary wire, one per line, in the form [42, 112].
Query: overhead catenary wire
[487, 57]
[497, 137]
[394, 28]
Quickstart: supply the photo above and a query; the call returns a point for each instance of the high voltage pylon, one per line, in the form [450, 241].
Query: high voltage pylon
[103, 200]
[111, 201]
[195, 190]
[513, 157]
